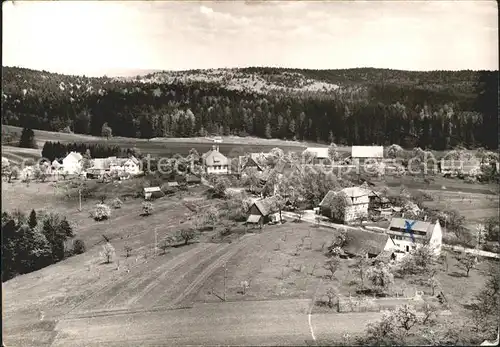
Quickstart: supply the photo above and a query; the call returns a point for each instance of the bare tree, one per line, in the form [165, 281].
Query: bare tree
[186, 235]
[331, 293]
[108, 252]
[433, 283]
[467, 262]
[128, 250]
[332, 266]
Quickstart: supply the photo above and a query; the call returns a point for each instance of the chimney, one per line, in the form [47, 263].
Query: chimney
[217, 148]
[214, 148]
[425, 218]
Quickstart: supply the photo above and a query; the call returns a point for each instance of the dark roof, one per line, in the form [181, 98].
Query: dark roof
[360, 241]
[422, 226]
[327, 200]
[265, 206]
[251, 162]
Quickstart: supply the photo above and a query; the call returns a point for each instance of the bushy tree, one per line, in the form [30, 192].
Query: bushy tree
[27, 139]
[32, 220]
[116, 203]
[380, 277]
[186, 235]
[101, 212]
[106, 131]
[467, 262]
[79, 246]
[147, 208]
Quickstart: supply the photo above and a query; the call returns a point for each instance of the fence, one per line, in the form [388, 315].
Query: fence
[357, 304]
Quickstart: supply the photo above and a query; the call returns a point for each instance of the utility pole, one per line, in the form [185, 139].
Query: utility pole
[225, 276]
[156, 241]
[80, 198]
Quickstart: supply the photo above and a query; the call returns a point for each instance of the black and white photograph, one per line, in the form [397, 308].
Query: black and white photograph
[250, 173]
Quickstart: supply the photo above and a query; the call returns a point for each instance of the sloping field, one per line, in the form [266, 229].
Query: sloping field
[168, 146]
[17, 155]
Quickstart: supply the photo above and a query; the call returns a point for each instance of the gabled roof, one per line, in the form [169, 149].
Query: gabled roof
[360, 241]
[213, 157]
[356, 192]
[75, 156]
[266, 206]
[367, 152]
[318, 152]
[252, 162]
[133, 160]
[326, 202]
[421, 226]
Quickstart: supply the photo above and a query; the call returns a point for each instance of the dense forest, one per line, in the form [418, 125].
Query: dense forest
[438, 110]
[32, 242]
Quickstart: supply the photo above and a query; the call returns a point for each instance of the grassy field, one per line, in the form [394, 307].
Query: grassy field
[279, 262]
[17, 155]
[170, 146]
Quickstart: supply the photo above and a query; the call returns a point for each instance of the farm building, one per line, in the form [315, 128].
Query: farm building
[362, 154]
[72, 163]
[357, 201]
[262, 211]
[152, 193]
[411, 234]
[319, 154]
[377, 200]
[129, 166]
[253, 162]
[215, 162]
[465, 167]
[371, 244]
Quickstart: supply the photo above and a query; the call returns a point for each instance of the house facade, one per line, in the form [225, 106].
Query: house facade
[215, 162]
[365, 154]
[412, 234]
[356, 204]
[72, 163]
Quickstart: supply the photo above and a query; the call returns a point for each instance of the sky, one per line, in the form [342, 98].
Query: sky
[103, 37]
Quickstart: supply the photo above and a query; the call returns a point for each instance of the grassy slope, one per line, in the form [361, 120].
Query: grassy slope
[167, 146]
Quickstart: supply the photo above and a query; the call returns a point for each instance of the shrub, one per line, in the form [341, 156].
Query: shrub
[101, 212]
[116, 203]
[79, 247]
[147, 208]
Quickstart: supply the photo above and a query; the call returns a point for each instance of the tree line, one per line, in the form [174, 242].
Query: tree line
[438, 110]
[32, 242]
[57, 150]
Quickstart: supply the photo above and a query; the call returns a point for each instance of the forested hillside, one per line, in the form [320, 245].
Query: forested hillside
[437, 110]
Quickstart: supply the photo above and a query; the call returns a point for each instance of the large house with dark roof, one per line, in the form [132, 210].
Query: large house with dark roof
[215, 162]
[360, 242]
[356, 207]
[411, 234]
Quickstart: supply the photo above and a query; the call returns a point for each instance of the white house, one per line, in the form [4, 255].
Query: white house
[362, 154]
[318, 153]
[357, 202]
[215, 162]
[411, 234]
[72, 164]
[129, 166]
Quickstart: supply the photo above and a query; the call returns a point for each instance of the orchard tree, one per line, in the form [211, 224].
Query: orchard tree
[108, 252]
[332, 266]
[380, 277]
[467, 262]
[106, 131]
[186, 235]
